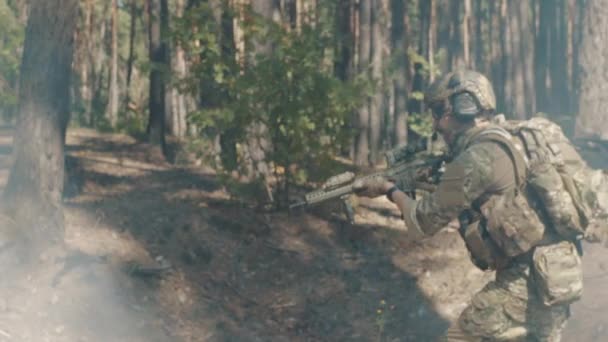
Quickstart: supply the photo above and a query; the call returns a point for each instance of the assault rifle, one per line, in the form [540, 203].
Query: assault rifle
[412, 167]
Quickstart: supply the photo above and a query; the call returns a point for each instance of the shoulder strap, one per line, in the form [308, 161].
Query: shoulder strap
[503, 139]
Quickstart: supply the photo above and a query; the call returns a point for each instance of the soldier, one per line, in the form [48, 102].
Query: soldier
[538, 273]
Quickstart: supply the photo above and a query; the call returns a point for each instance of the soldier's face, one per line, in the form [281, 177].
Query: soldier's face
[445, 125]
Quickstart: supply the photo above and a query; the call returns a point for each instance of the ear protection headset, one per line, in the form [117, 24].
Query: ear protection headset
[464, 105]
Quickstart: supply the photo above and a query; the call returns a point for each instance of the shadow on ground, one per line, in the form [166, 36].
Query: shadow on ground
[241, 275]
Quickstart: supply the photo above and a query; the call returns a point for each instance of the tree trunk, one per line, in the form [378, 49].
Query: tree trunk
[131, 58]
[35, 185]
[543, 50]
[558, 60]
[112, 110]
[431, 36]
[362, 128]
[400, 45]
[455, 48]
[480, 41]
[99, 61]
[593, 93]
[466, 29]
[520, 59]
[82, 63]
[344, 40]
[375, 108]
[167, 72]
[156, 123]
[180, 67]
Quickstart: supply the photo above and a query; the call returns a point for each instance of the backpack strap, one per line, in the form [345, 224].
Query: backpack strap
[503, 139]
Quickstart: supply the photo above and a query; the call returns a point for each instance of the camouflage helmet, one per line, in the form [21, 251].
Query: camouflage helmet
[467, 93]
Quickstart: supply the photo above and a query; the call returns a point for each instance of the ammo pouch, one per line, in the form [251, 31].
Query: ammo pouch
[558, 273]
[483, 251]
[512, 223]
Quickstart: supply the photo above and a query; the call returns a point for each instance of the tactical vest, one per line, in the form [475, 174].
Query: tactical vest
[501, 226]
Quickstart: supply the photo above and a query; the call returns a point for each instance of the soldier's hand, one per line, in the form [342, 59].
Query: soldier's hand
[597, 232]
[372, 187]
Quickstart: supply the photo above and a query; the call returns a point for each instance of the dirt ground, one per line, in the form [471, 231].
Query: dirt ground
[229, 273]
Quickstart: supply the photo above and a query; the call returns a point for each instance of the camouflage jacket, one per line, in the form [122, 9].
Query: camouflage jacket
[476, 171]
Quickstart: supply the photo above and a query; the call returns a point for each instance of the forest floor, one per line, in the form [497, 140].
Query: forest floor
[234, 273]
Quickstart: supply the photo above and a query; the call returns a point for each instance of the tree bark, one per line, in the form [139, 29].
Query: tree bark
[455, 47]
[466, 29]
[521, 60]
[558, 61]
[180, 66]
[113, 92]
[593, 93]
[362, 127]
[167, 72]
[83, 62]
[131, 58]
[35, 185]
[99, 62]
[375, 108]
[543, 50]
[481, 21]
[156, 123]
[432, 36]
[400, 40]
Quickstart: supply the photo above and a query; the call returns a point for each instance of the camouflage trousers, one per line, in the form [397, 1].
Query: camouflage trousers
[509, 309]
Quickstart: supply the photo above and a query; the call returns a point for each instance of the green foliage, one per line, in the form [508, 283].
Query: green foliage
[12, 32]
[422, 124]
[292, 91]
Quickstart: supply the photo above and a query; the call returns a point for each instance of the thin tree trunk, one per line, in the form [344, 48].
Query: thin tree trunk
[112, 110]
[522, 59]
[99, 61]
[558, 60]
[466, 28]
[543, 49]
[362, 129]
[156, 123]
[400, 41]
[180, 67]
[86, 61]
[35, 185]
[344, 40]
[506, 69]
[167, 72]
[593, 93]
[455, 48]
[479, 42]
[431, 37]
[131, 58]
[375, 108]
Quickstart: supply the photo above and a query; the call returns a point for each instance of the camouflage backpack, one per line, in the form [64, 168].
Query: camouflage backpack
[556, 175]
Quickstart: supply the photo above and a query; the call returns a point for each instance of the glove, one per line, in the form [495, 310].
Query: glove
[597, 232]
[371, 187]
